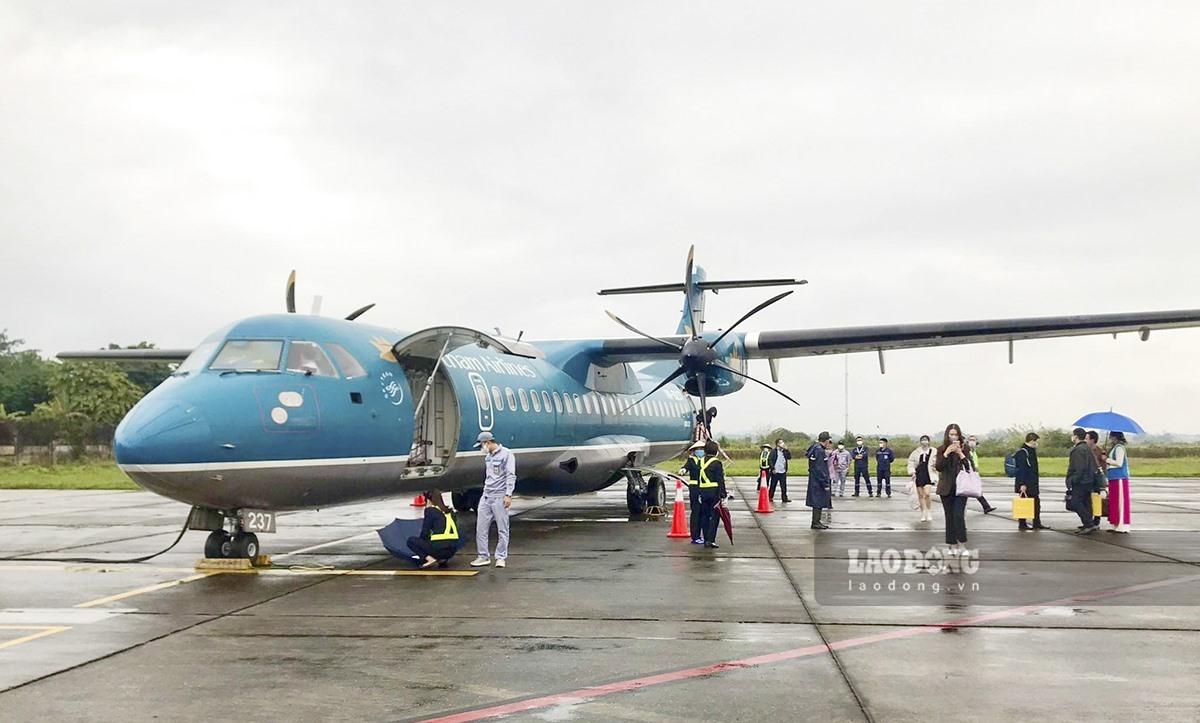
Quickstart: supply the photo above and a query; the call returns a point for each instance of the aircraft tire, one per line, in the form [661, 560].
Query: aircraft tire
[216, 545]
[466, 500]
[634, 501]
[656, 493]
[245, 545]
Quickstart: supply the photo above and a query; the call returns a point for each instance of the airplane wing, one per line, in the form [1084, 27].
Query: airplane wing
[127, 355]
[844, 340]
[814, 342]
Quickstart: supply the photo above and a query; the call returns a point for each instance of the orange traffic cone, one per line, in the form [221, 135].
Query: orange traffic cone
[418, 501]
[764, 502]
[679, 520]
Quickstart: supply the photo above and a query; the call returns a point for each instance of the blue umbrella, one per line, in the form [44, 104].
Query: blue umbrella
[395, 537]
[1110, 421]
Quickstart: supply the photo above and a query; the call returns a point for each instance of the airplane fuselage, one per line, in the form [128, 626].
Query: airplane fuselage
[281, 435]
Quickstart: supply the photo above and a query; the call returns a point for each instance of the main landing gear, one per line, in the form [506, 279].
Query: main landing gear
[644, 495]
[466, 500]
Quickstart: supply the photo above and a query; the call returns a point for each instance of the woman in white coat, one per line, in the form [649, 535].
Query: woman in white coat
[922, 469]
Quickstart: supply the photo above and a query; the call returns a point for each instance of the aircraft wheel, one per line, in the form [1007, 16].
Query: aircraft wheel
[656, 493]
[635, 501]
[245, 545]
[461, 501]
[217, 545]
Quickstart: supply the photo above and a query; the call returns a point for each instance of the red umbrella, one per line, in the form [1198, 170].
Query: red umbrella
[723, 511]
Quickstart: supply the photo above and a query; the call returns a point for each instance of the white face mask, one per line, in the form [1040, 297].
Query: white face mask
[924, 442]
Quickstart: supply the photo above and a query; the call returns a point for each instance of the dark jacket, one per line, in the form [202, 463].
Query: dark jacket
[1081, 468]
[435, 524]
[865, 462]
[948, 467]
[715, 472]
[787, 455]
[883, 460]
[1027, 470]
[819, 493]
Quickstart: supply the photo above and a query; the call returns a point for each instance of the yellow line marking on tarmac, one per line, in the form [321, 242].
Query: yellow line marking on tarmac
[43, 631]
[143, 590]
[92, 568]
[374, 573]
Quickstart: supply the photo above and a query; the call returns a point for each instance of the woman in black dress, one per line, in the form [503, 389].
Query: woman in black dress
[923, 473]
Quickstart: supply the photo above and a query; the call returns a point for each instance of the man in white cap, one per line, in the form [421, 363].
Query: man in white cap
[500, 469]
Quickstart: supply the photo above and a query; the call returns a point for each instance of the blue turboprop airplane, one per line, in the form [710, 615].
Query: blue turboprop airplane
[288, 411]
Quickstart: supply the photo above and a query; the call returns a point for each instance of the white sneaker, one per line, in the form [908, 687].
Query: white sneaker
[480, 562]
[500, 563]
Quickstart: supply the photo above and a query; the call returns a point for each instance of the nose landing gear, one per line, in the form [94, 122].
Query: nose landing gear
[221, 543]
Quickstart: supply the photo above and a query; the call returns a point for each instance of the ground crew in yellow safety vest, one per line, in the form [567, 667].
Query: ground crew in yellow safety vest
[709, 475]
[692, 469]
[439, 538]
[764, 466]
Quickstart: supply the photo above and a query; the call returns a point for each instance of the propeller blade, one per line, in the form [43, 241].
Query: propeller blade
[359, 312]
[674, 375]
[688, 289]
[700, 384]
[664, 342]
[749, 314]
[291, 292]
[756, 381]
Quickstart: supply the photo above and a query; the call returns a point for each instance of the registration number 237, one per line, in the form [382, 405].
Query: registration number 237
[257, 521]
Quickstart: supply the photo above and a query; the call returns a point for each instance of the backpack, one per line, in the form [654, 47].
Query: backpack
[1010, 464]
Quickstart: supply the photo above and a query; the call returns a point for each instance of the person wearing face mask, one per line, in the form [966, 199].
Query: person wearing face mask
[819, 494]
[973, 449]
[862, 465]
[500, 467]
[710, 478]
[884, 457]
[952, 457]
[922, 470]
[764, 466]
[691, 467]
[841, 466]
[778, 461]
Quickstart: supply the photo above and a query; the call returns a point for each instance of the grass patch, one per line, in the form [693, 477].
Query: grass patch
[86, 476]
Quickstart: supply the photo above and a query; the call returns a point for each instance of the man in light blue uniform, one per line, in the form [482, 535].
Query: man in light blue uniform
[500, 467]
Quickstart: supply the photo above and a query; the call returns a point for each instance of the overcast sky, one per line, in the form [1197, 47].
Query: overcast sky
[164, 165]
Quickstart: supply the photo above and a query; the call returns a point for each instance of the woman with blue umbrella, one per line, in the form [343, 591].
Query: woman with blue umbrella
[1118, 425]
[1118, 484]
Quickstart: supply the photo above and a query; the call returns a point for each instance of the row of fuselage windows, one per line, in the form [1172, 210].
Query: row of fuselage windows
[592, 403]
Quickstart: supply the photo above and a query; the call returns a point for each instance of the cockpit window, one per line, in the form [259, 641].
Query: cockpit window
[308, 358]
[350, 367]
[195, 360]
[248, 355]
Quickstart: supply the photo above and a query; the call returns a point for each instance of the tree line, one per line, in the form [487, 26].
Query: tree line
[48, 403]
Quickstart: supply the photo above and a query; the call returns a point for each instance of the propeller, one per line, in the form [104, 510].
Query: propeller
[290, 300]
[698, 358]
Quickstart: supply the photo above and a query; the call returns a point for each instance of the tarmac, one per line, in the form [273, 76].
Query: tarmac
[602, 617]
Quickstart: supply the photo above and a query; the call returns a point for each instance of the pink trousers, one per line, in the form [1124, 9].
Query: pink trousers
[1118, 502]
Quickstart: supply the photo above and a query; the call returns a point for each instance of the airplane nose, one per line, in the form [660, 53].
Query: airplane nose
[158, 431]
